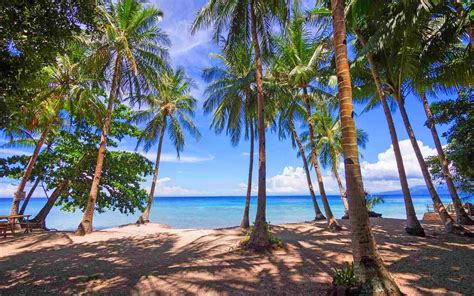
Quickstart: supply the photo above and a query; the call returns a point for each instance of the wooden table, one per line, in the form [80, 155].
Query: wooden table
[12, 220]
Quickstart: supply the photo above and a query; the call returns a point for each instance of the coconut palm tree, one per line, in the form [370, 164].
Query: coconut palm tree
[299, 63]
[399, 61]
[66, 86]
[230, 96]
[170, 108]
[369, 267]
[445, 63]
[413, 224]
[248, 20]
[129, 47]
[291, 110]
[329, 145]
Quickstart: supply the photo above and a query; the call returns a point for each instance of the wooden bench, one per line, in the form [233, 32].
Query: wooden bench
[11, 222]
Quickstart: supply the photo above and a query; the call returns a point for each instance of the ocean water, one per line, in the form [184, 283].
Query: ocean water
[218, 211]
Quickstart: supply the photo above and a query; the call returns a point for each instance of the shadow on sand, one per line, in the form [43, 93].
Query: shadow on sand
[170, 263]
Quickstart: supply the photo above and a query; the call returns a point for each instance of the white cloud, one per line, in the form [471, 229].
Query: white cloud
[7, 189]
[378, 176]
[382, 175]
[163, 190]
[8, 151]
[293, 180]
[170, 157]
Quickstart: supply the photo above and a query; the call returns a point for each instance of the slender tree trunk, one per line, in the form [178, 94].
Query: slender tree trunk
[245, 219]
[369, 267]
[332, 222]
[317, 210]
[449, 224]
[413, 225]
[33, 188]
[20, 192]
[461, 216]
[43, 213]
[85, 226]
[28, 197]
[342, 192]
[145, 217]
[260, 238]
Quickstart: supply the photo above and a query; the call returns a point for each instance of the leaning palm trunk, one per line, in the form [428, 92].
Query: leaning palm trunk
[20, 192]
[461, 215]
[28, 197]
[333, 225]
[369, 267]
[317, 210]
[40, 218]
[413, 225]
[245, 219]
[145, 216]
[260, 238]
[33, 188]
[449, 224]
[342, 192]
[85, 226]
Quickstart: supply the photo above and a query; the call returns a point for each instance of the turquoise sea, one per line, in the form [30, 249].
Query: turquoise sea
[218, 211]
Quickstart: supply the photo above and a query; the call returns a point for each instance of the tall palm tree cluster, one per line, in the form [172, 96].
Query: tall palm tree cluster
[280, 68]
[285, 67]
[126, 56]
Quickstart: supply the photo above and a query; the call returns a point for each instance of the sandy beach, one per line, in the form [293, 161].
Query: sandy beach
[155, 259]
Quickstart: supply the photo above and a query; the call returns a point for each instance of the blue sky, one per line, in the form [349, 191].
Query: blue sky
[213, 166]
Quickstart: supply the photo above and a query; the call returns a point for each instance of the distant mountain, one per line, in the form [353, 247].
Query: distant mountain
[418, 190]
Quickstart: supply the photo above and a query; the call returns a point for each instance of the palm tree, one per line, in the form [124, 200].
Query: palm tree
[248, 20]
[413, 225]
[400, 59]
[170, 109]
[329, 145]
[445, 63]
[230, 95]
[369, 267]
[289, 111]
[66, 87]
[299, 60]
[129, 47]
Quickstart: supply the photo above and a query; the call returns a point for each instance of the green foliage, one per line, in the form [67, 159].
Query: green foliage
[372, 201]
[73, 157]
[229, 93]
[462, 183]
[459, 113]
[33, 33]
[344, 276]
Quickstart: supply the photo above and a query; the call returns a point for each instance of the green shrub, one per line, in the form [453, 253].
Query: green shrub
[274, 241]
[344, 276]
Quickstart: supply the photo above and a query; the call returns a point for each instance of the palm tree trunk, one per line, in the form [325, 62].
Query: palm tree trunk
[33, 188]
[145, 216]
[85, 226]
[40, 218]
[461, 216]
[369, 267]
[413, 225]
[449, 224]
[28, 197]
[260, 238]
[20, 192]
[342, 192]
[245, 219]
[332, 222]
[317, 210]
